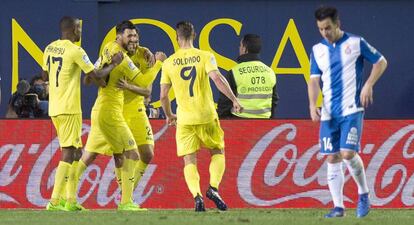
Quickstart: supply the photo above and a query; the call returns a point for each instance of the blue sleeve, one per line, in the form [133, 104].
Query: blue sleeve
[368, 52]
[314, 66]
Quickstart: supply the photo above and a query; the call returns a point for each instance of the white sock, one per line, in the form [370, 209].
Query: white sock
[357, 170]
[336, 183]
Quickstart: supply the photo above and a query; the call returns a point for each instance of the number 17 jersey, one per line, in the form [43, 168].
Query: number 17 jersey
[187, 71]
[63, 60]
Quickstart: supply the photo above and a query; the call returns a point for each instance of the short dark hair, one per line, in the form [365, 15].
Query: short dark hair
[185, 29]
[126, 24]
[253, 43]
[324, 12]
[67, 23]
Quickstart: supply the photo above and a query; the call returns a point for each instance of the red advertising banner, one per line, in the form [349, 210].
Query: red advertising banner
[269, 163]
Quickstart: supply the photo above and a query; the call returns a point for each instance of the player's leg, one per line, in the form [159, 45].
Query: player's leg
[212, 136]
[142, 131]
[63, 193]
[68, 133]
[117, 133]
[351, 130]
[187, 146]
[146, 153]
[329, 140]
[119, 161]
[71, 191]
[192, 178]
[128, 177]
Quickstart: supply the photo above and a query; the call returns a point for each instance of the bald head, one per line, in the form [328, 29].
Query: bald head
[68, 23]
[70, 28]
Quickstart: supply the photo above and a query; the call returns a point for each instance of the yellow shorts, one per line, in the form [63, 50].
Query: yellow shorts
[140, 127]
[109, 134]
[191, 137]
[68, 129]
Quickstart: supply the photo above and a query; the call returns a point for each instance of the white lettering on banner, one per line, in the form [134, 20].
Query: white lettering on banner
[245, 175]
[5, 173]
[34, 183]
[101, 181]
[378, 160]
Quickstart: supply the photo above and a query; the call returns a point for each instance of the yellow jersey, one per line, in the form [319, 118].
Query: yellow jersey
[133, 101]
[186, 70]
[63, 60]
[111, 98]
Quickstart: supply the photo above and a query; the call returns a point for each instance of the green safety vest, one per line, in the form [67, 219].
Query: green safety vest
[254, 82]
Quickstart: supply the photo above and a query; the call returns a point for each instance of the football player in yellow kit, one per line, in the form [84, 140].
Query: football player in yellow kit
[133, 113]
[188, 72]
[62, 65]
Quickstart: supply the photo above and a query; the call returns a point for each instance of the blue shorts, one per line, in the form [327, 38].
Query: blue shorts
[341, 133]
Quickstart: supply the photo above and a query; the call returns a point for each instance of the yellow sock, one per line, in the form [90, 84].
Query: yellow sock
[217, 166]
[60, 176]
[192, 178]
[127, 180]
[80, 168]
[71, 186]
[62, 192]
[140, 168]
[118, 174]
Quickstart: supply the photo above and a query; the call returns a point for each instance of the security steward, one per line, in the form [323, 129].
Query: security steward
[252, 82]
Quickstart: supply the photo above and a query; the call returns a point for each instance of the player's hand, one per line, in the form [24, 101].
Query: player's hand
[149, 57]
[315, 113]
[117, 58]
[237, 108]
[160, 56]
[366, 96]
[122, 84]
[172, 120]
[87, 80]
[101, 82]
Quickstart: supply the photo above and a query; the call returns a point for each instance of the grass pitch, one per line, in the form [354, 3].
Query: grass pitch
[211, 217]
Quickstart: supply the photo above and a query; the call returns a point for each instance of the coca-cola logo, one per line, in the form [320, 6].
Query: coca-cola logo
[101, 180]
[299, 165]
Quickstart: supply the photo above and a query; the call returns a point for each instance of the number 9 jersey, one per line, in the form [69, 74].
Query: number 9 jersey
[63, 60]
[187, 71]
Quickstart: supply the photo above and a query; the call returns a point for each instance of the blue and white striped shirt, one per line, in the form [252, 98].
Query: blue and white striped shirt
[340, 67]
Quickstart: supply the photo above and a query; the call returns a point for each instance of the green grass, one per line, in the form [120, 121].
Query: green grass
[182, 217]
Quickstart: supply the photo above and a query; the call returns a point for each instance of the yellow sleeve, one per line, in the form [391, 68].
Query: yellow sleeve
[128, 69]
[82, 59]
[211, 63]
[149, 76]
[165, 78]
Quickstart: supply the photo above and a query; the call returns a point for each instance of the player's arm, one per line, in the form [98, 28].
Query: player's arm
[45, 73]
[123, 84]
[149, 57]
[224, 87]
[313, 92]
[166, 104]
[150, 75]
[105, 70]
[379, 65]
[378, 69]
[314, 88]
[88, 80]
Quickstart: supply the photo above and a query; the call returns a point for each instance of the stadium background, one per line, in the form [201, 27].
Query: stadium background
[26, 29]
